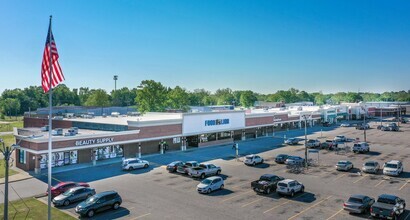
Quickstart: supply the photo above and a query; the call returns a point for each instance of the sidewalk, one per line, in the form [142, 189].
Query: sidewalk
[21, 175]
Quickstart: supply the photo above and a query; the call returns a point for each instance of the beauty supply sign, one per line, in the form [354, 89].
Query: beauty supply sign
[200, 123]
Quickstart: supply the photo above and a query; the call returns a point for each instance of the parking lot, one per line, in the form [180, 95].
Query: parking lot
[156, 194]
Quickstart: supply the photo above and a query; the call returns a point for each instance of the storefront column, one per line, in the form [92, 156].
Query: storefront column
[183, 143]
[139, 150]
[37, 168]
[243, 135]
[256, 132]
[93, 156]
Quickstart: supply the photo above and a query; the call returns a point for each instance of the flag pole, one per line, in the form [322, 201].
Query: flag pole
[50, 94]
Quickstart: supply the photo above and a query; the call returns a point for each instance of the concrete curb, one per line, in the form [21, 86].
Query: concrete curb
[61, 210]
[18, 180]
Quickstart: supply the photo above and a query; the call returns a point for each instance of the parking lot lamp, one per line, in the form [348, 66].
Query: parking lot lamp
[364, 124]
[115, 82]
[7, 151]
[306, 153]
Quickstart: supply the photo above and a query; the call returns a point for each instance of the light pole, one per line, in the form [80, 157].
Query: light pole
[364, 124]
[306, 154]
[115, 82]
[7, 151]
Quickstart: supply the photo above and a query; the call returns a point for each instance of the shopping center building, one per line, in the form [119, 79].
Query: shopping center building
[128, 135]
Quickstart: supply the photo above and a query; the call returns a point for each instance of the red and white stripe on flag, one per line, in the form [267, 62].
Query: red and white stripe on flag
[57, 74]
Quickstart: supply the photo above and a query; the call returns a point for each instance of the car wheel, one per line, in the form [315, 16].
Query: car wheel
[130, 168]
[218, 172]
[146, 165]
[116, 206]
[202, 175]
[253, 164]
[208, 191]
[262, 161]
[268, 191]
[292, 193]
[354, 151]
[222, 186]
[90, 213]
[89, 195]
[302, 190]
[66, 203]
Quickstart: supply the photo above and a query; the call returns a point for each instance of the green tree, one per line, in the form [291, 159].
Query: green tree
[10, 106]
[152, 97]
[178, 98]
[123, 97]
[98, 97]
[247, 98]
[224, 96]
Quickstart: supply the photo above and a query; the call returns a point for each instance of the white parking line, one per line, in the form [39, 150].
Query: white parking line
[334, 214]
[308, 208]
[252, 202]
[237, 196]
[142, 216]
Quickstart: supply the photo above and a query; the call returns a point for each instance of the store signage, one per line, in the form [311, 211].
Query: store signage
[94, 141]
[217, 122]
[277, 119]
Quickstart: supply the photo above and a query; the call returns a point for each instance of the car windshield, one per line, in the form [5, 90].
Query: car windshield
[341, 163]
[206, 181]
[69, 192]
[283, 184]
[267, 178]
[390, 165]
[385, 200]
[202, 165]
[91, 200]
[369, 164]
[354, 200]
[249, 157]
[281, 155]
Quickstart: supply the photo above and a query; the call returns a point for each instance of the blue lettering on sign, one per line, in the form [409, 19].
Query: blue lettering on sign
[217, 122]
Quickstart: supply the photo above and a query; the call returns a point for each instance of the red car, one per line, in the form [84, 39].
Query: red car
[64, 186]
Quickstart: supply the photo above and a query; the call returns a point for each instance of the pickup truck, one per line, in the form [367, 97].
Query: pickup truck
[183, 168]
[312, 143]
[388, 206]
[267, 183]
[204, 170]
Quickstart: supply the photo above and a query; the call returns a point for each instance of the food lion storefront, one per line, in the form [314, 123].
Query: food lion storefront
[212, 128]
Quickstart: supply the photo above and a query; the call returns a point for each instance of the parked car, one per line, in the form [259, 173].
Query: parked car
[210, 184]
[289, 187]
[326, 124]
[75, 194]
[253, 160]
[64, 186]
[344, 165]
[292, 160]
[390, 127]
[185, 167]
[358, 204]
[281, 158]
[98, 203]
[360, 147]
[388, 206]
[172, 167]
[292, 141]
[340, 138]
[362, 126]
[328, 144]
[313, 143]
[371, 167]
[344, 125]
[204, 169]
[393, 168]
[134, 163]
[267, 183]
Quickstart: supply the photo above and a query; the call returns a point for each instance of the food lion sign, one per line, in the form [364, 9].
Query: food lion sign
[200, 123]
[94, 141]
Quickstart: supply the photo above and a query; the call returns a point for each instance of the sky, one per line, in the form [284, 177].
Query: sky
[257, 45]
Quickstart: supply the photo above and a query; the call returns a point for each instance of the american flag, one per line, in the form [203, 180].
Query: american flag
[57, 73]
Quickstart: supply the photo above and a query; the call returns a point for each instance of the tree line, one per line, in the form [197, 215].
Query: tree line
[152, 96]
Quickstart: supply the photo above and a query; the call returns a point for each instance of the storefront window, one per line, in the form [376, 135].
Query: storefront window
[59, 159]
[22, 157]
[103, 153]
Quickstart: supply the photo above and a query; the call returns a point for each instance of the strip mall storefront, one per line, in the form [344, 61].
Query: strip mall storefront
[147, 137]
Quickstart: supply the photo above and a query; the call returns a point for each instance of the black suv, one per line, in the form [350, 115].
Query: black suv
[99, 202]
